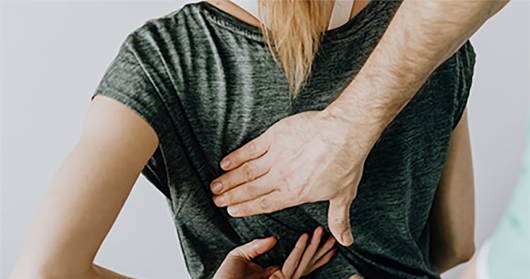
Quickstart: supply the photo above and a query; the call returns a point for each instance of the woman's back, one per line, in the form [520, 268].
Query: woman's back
[207, 84]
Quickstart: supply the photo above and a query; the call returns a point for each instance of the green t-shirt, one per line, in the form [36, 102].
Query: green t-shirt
[509, 253]
[207, 84]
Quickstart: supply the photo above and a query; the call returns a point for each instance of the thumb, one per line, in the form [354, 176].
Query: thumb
[339, 220]
[255, 248]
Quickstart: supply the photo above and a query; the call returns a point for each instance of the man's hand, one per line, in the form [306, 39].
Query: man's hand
[308, 157]
[303, 158]
[304, 259]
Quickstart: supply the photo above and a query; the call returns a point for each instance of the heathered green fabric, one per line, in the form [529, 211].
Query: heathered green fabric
[207, 84]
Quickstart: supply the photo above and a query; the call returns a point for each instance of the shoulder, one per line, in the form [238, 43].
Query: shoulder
[168, 30]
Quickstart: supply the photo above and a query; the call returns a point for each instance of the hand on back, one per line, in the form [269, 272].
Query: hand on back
[307, 157]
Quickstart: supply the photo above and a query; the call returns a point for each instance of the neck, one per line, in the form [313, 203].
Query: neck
[238, 12]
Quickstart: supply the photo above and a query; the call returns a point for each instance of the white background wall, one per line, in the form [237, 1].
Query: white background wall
[53, 53]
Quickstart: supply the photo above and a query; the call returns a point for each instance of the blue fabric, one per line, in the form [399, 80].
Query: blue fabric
[509, 255]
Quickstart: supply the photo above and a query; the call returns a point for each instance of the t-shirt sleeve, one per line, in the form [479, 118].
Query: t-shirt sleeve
[127, 81]
[465, 65]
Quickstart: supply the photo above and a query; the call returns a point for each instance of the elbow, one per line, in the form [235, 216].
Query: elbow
[464, 252]
[454, 257]
[468, 252]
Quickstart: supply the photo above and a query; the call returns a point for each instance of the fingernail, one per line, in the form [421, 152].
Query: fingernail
[220, 200]
[233, 210]
[347, 238]
[225, 163]
[217, 186]
[276, 236]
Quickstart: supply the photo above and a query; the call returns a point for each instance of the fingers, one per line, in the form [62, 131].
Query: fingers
[253, 149]
[322, 260]
[355, 277]
[269, 271]
[246, 192]
[307, 257]
[323, 250]
[254, 248]
[268, 203]
[290, 265]
[247, 172]
[309, 253]
[339, 220]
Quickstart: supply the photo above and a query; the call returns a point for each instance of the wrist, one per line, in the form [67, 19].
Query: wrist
[361, 134]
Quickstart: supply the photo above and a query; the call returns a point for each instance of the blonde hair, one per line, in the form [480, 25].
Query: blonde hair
[293, 34]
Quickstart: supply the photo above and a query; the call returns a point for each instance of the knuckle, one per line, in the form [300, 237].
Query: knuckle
[248, 171]
[264, 204]
[341, 221]
[252, 191]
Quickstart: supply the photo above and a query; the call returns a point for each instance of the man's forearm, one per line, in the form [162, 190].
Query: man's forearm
[421, 36]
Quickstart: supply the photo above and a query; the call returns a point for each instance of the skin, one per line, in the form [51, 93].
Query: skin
[72, 224]
[471, 270]
[86, 195]
[453, 213]
[319, 155]
[60, 244]
[236, 11]
[304, 259]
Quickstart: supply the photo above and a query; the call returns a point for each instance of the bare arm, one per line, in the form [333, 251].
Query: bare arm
[453, 212]
[334, 143]
[421, 36]
[87, 194]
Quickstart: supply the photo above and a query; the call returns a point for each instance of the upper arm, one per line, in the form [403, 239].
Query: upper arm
[453, 213]
[88, 191]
